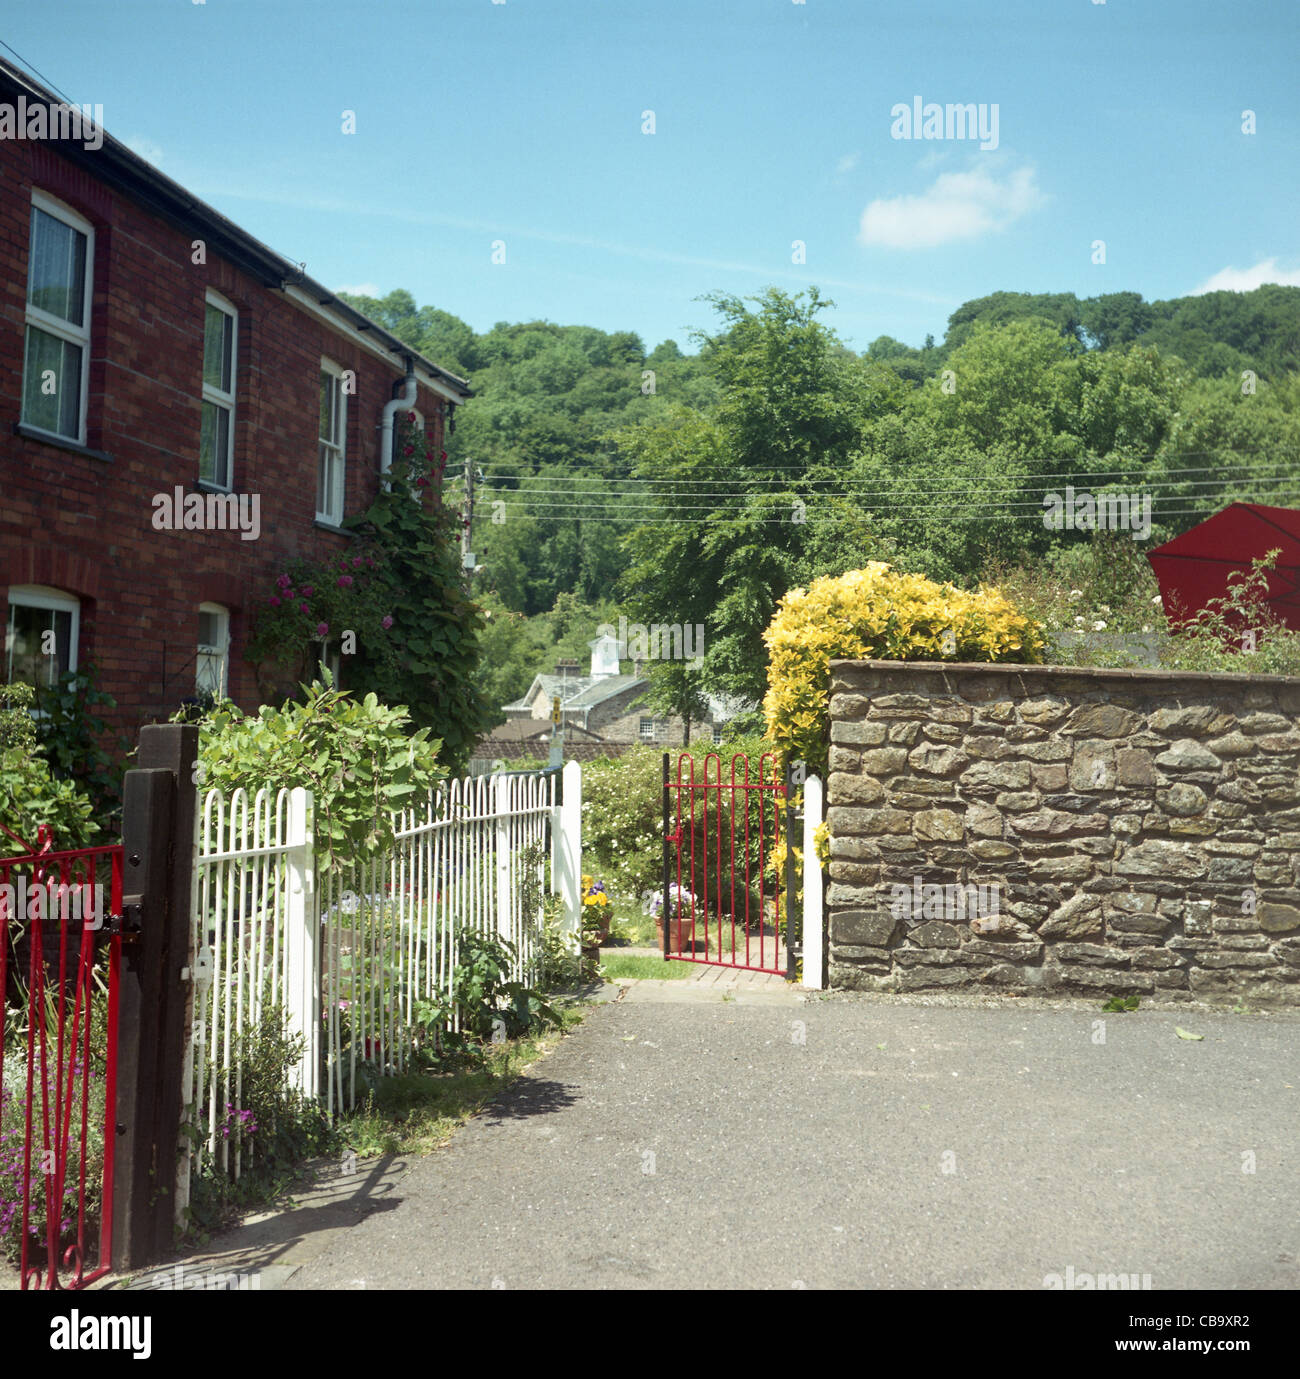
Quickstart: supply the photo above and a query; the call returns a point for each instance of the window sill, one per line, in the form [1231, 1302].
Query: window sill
[34, 433]
[329, 526]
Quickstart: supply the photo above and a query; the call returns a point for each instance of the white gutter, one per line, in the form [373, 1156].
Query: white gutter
[372, 346]
[399, 404]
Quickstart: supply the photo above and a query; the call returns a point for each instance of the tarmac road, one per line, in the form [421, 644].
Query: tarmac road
[858, 1141]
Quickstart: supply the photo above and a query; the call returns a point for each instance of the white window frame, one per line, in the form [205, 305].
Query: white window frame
[55, 600]
[214, 395]
[717, 734]
[56, 325]
[328, 653]
[221, 649]
[325, 510]
[641, 729]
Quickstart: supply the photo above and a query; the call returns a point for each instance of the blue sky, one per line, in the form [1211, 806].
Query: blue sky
[523, 122]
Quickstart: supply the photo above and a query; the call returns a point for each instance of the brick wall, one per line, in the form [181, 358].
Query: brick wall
[1041, 829]
[84, 524]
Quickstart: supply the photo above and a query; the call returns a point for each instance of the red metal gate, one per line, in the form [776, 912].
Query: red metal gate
[60, 950]
[726, 886]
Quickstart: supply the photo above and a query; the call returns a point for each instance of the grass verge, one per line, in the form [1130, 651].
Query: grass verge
[615, 964]
[417, 1112]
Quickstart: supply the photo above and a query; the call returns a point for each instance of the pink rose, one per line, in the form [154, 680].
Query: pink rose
[356, 562]
[302, 608]
[387, 622]
[345, 581]
[273, 601]
[306, 591]
[322, 629]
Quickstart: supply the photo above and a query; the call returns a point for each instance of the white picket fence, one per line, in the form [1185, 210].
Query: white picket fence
[359, 956]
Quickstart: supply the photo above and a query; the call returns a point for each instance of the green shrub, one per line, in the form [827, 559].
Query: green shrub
[72, 735]
[876, 613]
[29, 794]
[622, 815]
[358, 757]
[274, 1126]
[488, 1003]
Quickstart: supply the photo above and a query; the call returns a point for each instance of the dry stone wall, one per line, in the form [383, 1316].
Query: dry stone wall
[1042, 829]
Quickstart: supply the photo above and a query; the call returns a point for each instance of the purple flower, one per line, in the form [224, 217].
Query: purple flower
[273, 601]
[387, 621]
[345, 581]
[302, 608]
[284, 581]
[322, 629]
[356, 562]
[306, 591]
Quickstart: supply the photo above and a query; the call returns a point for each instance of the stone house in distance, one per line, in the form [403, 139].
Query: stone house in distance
[604, 713]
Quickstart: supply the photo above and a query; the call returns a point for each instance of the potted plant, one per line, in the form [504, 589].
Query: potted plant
[595, 910]
[595, 922]
[680, 905]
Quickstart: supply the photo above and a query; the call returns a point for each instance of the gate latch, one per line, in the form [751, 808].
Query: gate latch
[128, 924]
[201, 972]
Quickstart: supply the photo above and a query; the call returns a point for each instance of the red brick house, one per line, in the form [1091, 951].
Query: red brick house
[157, 361]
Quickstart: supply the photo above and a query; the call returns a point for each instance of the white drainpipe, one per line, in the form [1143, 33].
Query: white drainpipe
[399, 404]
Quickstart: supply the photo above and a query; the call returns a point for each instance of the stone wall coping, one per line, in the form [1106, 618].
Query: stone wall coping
[1101, 674]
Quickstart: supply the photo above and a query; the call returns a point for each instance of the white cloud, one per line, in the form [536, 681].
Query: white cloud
[147, 150]
[957, 206]
[846, 164]
[360, 290]
[1248, 279]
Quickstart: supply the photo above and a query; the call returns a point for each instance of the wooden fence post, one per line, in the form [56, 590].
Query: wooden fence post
[158, 822]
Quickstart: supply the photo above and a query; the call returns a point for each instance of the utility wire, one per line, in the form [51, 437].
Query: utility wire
[803, 467]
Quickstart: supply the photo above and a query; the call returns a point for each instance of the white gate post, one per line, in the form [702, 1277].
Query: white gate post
[501, 801]
[302, 940]
[814, 938]
[566, 857]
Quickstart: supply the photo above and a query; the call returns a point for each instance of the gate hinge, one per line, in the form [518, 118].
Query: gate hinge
[673, 837]
[128, 924]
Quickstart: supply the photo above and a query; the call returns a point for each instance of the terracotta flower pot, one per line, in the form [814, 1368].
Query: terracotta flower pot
[677, 943]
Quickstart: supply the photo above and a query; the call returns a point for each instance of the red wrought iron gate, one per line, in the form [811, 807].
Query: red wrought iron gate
[60, 953]
[728, 865]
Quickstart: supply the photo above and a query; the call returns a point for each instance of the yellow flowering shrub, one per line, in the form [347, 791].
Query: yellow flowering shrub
[877, 614]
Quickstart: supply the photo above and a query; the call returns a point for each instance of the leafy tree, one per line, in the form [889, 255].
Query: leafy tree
[790, 400]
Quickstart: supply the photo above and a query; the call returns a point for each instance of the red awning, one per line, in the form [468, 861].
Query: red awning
[1193, 568]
